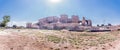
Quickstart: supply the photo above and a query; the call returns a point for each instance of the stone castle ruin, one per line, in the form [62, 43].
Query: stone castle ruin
[62, 22]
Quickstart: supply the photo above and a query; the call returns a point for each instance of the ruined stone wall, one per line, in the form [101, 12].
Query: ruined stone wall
[63, 18]
[62, 22]
[75, 19]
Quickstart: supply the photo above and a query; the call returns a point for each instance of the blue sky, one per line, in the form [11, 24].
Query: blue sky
[99, 11]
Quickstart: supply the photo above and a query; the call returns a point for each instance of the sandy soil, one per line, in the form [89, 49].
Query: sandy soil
[11, 40]
[14, 41]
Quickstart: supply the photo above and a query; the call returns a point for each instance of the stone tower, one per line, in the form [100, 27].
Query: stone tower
[84, 21]
[75, 19]
[63, 18]
[89, 22]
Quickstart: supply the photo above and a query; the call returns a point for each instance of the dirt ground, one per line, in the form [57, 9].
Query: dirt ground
[11, 39]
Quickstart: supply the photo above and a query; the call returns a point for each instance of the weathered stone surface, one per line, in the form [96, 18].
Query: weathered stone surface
[63, 22]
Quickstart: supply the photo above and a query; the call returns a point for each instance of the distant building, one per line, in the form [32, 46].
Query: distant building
[75, 19]
[89, 22]
[63, 18]
[52, 19]
[86, 22]
[62, 22]
[35, 26]
[29, 25]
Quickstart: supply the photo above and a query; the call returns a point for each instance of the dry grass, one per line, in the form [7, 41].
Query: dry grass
[61, 40]
[79, 39]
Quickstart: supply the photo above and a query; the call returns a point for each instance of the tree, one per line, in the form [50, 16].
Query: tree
[98, 25]
[6, 19]
[109, 24]
[14, 26]
[102, 25]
